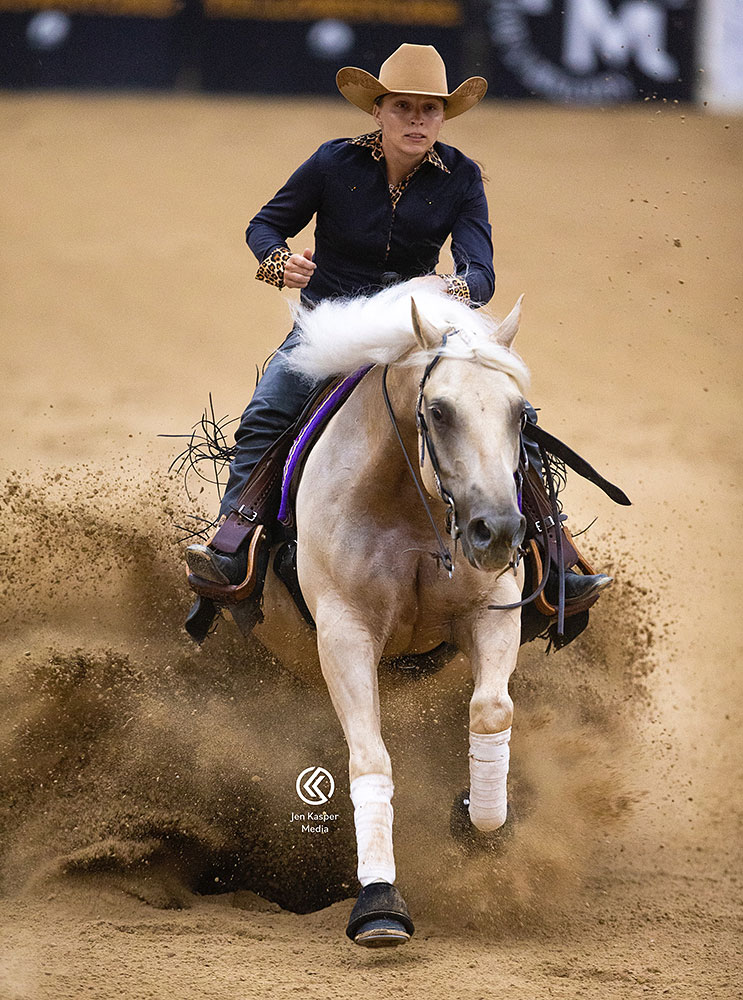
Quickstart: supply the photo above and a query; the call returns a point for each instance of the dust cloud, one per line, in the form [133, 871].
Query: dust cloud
[129, 751]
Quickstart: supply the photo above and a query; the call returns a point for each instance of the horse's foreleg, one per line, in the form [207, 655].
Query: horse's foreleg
[494, 646]
[349, 659]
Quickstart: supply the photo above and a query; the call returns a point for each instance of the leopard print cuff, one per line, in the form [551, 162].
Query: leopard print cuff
[457, 287]
[272, 267]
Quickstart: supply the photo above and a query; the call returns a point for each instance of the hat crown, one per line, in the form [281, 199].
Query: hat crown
[411, 69]
[414, 69]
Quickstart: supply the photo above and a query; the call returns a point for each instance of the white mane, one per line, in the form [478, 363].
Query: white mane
[338, 336]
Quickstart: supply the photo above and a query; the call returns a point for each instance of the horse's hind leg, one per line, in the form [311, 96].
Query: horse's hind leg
[349, 659]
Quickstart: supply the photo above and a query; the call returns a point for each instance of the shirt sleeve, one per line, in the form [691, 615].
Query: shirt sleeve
[289, 211]
[472, 246]
[271, 269]
[457, 287]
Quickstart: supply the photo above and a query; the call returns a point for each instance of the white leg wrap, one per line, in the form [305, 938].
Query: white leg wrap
[371, 795]
[489, 755]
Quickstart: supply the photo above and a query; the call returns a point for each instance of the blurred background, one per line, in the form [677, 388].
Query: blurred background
[597, 52]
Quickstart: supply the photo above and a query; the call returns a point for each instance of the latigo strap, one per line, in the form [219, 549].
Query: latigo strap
[257, 498]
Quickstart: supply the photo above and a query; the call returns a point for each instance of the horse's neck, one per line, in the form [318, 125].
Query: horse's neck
[402, 389]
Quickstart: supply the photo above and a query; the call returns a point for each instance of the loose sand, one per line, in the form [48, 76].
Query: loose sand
[147, 786]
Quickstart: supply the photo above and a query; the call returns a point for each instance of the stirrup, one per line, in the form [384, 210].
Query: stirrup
[234, 593]
[542, 605]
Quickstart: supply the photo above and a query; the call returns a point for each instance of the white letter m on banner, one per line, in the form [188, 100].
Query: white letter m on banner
[637, 29]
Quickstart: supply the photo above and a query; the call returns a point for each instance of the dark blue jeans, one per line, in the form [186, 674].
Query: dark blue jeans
[279, 398]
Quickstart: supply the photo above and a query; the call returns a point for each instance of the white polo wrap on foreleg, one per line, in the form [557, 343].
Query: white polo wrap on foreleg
[489, 754]
[371, 795]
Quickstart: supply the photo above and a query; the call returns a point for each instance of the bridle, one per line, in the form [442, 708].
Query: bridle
[443, 555]
[427, 445]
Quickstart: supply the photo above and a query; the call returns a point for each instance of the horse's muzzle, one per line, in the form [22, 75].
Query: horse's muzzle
[489, 541]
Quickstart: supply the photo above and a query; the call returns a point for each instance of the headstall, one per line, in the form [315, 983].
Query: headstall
[443, 554]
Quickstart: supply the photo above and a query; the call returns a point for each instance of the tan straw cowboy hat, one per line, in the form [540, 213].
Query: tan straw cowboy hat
[411, 69]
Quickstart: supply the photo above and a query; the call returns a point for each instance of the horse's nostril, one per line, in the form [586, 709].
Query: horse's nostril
[481, 533]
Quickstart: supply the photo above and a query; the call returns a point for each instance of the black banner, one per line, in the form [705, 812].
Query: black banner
[88, 43]
[289, 57]
[568, 51]
[592, 51]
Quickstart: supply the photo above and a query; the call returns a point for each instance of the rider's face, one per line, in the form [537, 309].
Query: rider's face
[410, 123]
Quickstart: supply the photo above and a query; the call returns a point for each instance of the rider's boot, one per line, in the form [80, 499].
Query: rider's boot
[223, 579]
[218, 567]
[230, 577]
[579, 587]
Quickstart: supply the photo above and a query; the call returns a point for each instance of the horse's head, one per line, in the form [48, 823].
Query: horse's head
[470, 413]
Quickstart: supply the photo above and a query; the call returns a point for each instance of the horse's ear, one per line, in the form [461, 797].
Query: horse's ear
[425, 333]
[507, 330]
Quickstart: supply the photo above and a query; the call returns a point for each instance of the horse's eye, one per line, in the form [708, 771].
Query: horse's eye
[440, 412]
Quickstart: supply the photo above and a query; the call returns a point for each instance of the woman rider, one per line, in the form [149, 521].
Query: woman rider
[384, 203]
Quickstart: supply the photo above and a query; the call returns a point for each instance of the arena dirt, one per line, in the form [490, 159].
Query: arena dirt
[146, 785]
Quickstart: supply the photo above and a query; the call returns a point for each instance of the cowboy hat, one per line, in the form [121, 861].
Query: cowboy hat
[411, 69]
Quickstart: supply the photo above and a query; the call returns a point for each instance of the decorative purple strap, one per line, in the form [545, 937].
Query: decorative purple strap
[322, 414]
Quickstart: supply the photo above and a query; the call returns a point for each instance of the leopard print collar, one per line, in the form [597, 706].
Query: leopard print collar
[373, 142]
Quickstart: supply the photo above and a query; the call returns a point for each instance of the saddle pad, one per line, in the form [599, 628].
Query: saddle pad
[306, 438]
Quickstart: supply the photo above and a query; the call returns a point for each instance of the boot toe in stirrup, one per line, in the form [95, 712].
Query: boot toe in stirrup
[217, 567]
[580, 587]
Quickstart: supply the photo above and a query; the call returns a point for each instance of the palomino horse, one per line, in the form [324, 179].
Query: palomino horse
[366, 555]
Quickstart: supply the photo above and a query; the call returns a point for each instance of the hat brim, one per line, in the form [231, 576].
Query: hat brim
[363, 89]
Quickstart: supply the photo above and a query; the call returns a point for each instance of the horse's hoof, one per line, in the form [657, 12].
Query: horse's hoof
[381, 934]
[380, 918]
[468, 836]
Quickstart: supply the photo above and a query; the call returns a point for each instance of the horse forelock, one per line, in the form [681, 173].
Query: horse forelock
[338, 336]
[483, 351]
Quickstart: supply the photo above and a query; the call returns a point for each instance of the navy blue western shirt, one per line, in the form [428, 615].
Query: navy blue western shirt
[365, 229]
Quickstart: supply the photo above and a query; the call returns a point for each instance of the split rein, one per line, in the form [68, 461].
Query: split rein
[427, 445]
